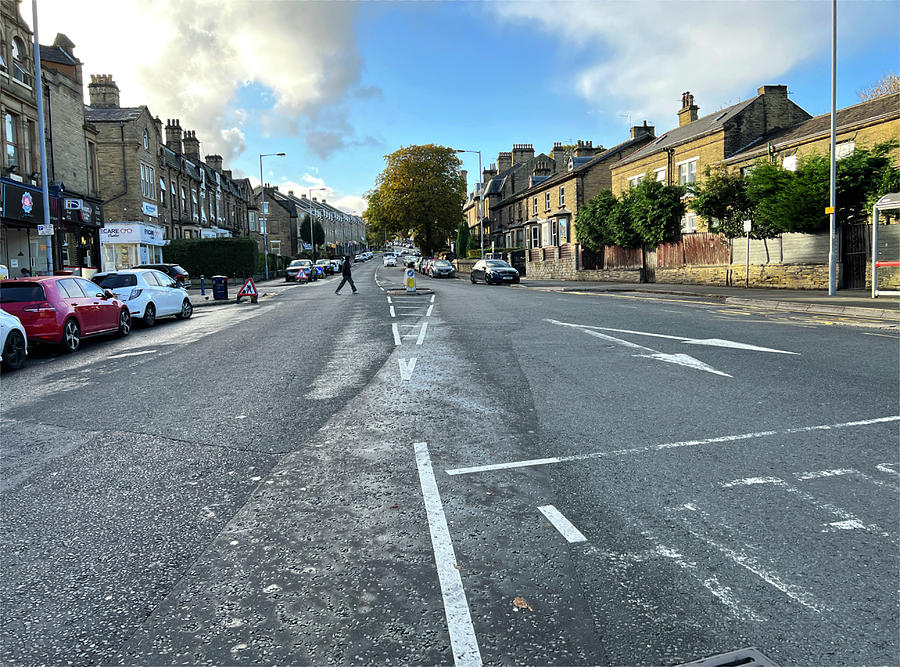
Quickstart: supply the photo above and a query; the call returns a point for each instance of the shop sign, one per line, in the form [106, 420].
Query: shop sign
[22, 204]
[150, 209]
[132, 233]
[73, 204]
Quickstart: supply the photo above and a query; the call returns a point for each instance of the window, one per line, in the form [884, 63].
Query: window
[68, 288]
[195, 211]
[689, 223]
[162, 191]
[554, 234]
[535, 237]
[562, 196]
[183, 200]
[148, 189]
[146, 139]
[10, 124]
[253, 221]
[660, 175]
[92, 170]
[174, 196]
[635, 181]
[534, 206]
[687, 172]
[20, 62]
[563, 231]
[546, 201]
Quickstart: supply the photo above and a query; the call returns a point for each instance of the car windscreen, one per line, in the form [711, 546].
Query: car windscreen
[116, 280]
[177, 270]
[498, 264]
[296, 263]
[20, 292]
[443, 263]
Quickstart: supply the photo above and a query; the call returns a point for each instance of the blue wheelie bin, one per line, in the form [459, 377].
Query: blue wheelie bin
[220, 287]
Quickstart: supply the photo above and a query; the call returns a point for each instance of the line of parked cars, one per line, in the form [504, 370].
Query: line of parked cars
[63, 310]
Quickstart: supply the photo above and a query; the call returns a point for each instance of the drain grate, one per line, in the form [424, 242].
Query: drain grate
[745, 656]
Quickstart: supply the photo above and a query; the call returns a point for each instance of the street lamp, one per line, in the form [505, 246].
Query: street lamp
[478, 210]
[312, 240]
[262, 208]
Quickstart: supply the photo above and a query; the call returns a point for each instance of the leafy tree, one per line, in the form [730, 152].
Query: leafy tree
[621, 223]
[462, 239]
[318, 231]
[656, 211]
[723, 200]
[764, 183]
[419, 194]
[863, 177]
[888, 85]
[595, 222]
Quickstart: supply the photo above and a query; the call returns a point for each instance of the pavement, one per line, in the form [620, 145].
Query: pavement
[266, 288]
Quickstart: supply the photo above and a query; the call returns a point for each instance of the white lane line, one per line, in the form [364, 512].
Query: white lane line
[428, 313]
[432, 298]
[668, 445]
[816, 474]
[421, 338]
[562, 524]
[456, 606]
[131, 354]
[389, 300]
[406, 368]
[396, 334]
[393, 314]
[889, 468]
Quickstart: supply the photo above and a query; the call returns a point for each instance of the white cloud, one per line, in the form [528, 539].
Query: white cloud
[189, 58]
[644, 55]
[310, 185]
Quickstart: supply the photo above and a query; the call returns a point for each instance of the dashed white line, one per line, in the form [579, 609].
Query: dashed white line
[562, 524]
[389, 300]
[421, 338]
[456, 607]
[131, 354]
[393, 314]
[428, 313]
[803, 476]
[432, 298]
[396, 334]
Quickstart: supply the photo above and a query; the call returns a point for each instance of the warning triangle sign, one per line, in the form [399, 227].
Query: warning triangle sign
[249, 289]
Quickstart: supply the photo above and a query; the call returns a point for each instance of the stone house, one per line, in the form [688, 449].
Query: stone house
[282, 220]
[680, 156]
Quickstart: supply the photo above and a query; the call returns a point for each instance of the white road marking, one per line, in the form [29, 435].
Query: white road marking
[669, 445]
[562, 524]
[889, 468]
[432, 298]
[131, 354]
[421, 338]
[393, 314]
[389, 300]
[456, 606]
[849, 524]
[406, 368]
[803, 476]
[678, 359]
[428, 313]
[396, 334]
[750, 481]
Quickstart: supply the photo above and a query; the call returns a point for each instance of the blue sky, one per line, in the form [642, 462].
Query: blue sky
[337, 86]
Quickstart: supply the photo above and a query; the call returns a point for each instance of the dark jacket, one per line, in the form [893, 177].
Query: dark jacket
[345, 267]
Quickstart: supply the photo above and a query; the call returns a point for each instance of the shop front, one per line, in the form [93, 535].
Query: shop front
[127, 244]
[77, 239]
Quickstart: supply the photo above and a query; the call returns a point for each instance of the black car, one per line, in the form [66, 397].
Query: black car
[172, 270]
[493, 271]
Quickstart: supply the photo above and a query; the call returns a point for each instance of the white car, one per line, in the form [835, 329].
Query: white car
[389, 260]
[149, 294]
[15, 342]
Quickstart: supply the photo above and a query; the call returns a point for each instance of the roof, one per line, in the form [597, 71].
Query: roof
[881, 108]
[698, 128]
[54, 54]
[113, 115]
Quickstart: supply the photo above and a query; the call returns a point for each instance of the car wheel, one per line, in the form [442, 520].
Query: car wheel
[71, 339]
[14, 351]
[124, 322]
[187, 309]
[472, 278]
[149, 318]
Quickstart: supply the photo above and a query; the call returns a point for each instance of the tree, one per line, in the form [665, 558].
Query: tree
[723, 200]
[656, 211]
[887, 86]
[317, 230]
[419, 194]
[462, 239]
[595, 222]
[764, 183]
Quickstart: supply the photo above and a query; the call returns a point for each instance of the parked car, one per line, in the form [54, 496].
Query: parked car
[14, 341]
[493, 271]
[326, 265]
[172, 270]
[359, 258]
[149, 294]
[409, 261]
[441, 268]
[64, 309]
[389, 260]
[336, 263]
[292, 272]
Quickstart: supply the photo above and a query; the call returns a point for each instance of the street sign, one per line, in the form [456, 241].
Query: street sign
[829, 210]
[249, 289]
[748, 226]
[410, 280]
[45, 230]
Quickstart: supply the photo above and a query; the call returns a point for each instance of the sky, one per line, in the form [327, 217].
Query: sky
[339, 85]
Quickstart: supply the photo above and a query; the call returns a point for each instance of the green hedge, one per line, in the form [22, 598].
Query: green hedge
[236, 258]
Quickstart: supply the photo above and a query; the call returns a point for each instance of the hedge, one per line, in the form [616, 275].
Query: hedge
[236, 258]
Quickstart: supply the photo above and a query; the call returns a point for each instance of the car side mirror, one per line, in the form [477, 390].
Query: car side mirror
[107, 294]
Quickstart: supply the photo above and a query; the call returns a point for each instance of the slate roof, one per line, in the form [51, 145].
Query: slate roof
[881, 108]
[698, 128]
[54, 54]
[114, 115]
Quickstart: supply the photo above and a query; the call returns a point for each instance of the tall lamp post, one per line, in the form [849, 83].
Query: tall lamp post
[312, 240]
[262, 208]
[478, 210]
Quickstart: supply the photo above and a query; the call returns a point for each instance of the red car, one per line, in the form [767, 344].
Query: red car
[64, 309]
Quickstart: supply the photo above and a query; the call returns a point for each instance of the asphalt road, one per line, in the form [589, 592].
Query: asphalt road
[482, 474]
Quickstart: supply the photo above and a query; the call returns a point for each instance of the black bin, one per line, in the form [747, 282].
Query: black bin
[220, 287]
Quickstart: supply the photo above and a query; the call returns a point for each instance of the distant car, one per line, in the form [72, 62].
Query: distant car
[172, 270]
[14, 342]
[409, 261]
[389, 260]
[493, 271]
[441, 268]
[64, 309]
[292, 272]
[336, 263]
[149, 294]
[326, 265]
[359, 258]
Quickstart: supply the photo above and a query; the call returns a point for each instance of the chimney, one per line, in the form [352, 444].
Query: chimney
[522, 153]
[314, 199]
[542, 168]
[641, 130]
[191, 146]
[688, 112]
[214, 162]
[504, 161]
[489, 173]
[584, 149]
[290, 192]
[173, 134]
[159, 128]
[773, 91]
[103, 92]
[227, 174]
[558, 154]
[464, 177]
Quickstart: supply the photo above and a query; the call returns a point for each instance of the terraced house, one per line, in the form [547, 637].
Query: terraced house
[681, 155]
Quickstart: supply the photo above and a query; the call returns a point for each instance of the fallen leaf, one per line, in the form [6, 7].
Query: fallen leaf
[490, 493]
[521, 604]
[393, 507]
[457, 567]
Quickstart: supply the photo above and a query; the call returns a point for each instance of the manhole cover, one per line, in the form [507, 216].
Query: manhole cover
[745, 656]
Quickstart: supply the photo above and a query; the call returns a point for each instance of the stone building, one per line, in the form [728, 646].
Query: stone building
[282, 222]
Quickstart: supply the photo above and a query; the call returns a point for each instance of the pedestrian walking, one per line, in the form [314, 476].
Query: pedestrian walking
[345, 272]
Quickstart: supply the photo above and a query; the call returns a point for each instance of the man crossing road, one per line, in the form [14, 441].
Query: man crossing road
[345, 272]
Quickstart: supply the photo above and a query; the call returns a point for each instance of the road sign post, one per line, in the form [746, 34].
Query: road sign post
[748, 226]
[249, 289]
[410, 280]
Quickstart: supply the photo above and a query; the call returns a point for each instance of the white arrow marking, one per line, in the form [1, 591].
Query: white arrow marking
[711, 342]
[422, 331]
[679, 359]
[406, 368]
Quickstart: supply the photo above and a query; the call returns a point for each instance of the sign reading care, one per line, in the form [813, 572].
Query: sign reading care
[132, 232]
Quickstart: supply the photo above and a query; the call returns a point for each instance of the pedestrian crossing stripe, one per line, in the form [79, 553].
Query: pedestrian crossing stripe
[249, 289]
